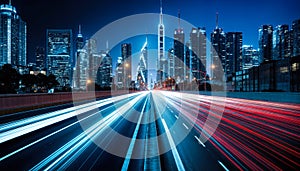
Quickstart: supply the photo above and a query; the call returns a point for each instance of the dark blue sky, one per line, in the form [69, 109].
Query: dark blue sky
[234, 15]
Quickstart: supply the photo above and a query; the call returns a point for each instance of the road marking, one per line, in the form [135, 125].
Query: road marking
[185, 126]
[225, 168]
[200, 142]
[172, 111]
[176, 116]
[173, 146]
[131, 146]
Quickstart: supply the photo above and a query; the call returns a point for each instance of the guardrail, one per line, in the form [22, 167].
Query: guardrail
[19, 102]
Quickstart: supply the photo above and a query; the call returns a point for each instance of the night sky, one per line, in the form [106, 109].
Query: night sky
[234, 15]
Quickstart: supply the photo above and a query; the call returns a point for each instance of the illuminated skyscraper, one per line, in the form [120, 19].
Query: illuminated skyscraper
[104, 74]
[127, 64]
[142, 69]
[234, 43]
[58, 54]
[198, 53]
[12, 37]
[218, 53]
[161, 60]
[250, 57]
[295, 38]
[265, 43]
[281, 47]
[179, 52]
[40, 58]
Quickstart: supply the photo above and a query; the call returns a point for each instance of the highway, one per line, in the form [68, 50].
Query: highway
[154, 130]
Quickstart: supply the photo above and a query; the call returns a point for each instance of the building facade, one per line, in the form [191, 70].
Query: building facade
[281, 46]
[265, 43]
[59, 53]
[13, 33]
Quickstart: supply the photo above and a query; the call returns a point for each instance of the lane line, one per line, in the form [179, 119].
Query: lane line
[200, 141]
[176, 116]
[224, 167]
[131, 146]
[185, 126]
[175, 153]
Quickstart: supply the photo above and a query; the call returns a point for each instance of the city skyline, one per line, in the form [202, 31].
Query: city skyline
[200, 14]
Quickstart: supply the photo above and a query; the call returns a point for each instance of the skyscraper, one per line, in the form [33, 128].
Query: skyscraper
[161, 59]
[179, 52]
[142, 69]
[171, 65]
[40, 58]
[104, 74]
[234, 43]
[281, 47]
[12, 37]
[198, 53]
[58, 54]
[127, 64]
[265, 43]
[187, 62]
[218, 53]
[296, 38]
[81, 63]
[250, 57]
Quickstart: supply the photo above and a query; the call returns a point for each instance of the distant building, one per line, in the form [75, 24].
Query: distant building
[162, 62]
[187, 62]
[142, 69]
[104, 74]
[59, 54]
[265, 43]
[40, 59]
[119, 73]
[281, 38]
[250, 57]
[218, 54]
[273, 75]
[93, 59]
[171, 63]
[295, 38]
[198, 53]
[234, 43]
[13, 33]
[179, 54]
[126, 51]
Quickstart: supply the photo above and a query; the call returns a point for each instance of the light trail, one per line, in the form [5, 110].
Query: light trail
[252, 134]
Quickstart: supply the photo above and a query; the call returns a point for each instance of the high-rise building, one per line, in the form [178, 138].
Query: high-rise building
[81, 63]
[218, 53]
[234, 43]
[171, 64]
[198, 53]
[93, 59]
[40, 59]
[12, 37]
[104, 74]
[250, 57]
[295, 37]
[127, 64]
[161, 59]
[179, 52]
[142, 69]
[281, 38]
[59, 54]
[187, 62]
[265, 43]
[119, 73]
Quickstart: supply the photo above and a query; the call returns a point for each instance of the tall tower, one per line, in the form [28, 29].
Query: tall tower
[218, 52]
[161, 60]
[13, 36]
[179, 52]
[265, 43]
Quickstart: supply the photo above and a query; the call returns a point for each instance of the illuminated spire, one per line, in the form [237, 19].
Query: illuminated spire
[217, 20]
[9, 2]
[161, 13]
[79, 31]
[179, 19]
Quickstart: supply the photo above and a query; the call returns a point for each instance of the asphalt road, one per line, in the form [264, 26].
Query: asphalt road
[153, 131]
